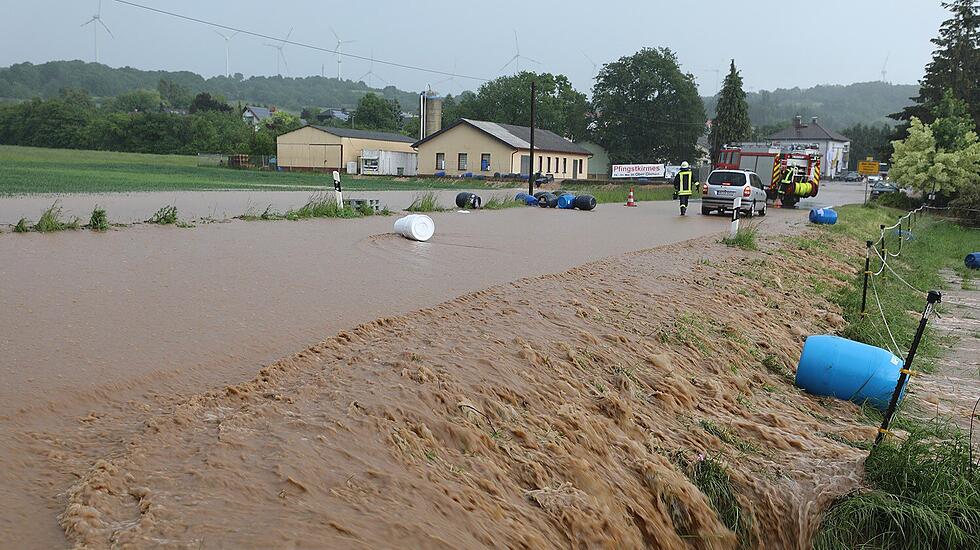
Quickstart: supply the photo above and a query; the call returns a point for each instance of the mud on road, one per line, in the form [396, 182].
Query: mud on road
[548, 412]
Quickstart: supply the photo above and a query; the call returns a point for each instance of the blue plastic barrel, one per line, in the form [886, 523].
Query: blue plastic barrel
[566, 201]
[849, 370]
[972, 260]
[823, 216]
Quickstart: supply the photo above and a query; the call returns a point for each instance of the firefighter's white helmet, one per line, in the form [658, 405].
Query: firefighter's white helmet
[685, 165]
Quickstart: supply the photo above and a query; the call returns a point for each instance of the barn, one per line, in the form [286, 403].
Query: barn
[324, 149]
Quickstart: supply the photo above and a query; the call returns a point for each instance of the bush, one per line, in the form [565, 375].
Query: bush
[50, 220]
[99, 221]
[899, 200]
[164, 216]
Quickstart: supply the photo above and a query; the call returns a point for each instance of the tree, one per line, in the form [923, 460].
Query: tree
[137, 101]
[731, 122]
[871, 140]
[647, 110]
[507, 100]
[955, 65]
[920, 162]
[377, 113]
[309, 114]
[203, 102]
[175, 95]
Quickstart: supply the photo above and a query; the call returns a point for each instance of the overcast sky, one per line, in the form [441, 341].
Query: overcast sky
[774, 43]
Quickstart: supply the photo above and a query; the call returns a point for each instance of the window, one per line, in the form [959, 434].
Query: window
[564, 165]
[369, 165]
[540, 162]
[756, 182]
[440, 161]
[485, 162]
[549, 165]
[721, 177]
[462, 161]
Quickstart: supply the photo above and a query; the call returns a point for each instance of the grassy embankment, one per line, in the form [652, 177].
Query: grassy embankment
[921, 488]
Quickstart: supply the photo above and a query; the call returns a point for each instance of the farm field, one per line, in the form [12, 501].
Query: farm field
[39, 170]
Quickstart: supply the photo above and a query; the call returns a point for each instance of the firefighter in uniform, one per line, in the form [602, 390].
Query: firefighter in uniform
[684, 183]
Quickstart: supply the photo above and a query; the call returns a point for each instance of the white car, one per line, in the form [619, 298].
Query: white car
[723, 186]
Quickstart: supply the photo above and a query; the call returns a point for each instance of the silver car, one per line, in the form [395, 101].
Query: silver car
[719, 192]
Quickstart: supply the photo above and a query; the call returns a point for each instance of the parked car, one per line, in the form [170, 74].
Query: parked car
[719, 191]
[882, 188]
[874, 179]
[853, 176]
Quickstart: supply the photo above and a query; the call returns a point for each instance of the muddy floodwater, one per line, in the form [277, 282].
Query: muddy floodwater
[193, 205]
[100, 331]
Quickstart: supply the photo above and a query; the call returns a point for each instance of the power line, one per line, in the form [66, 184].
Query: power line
[294, 43]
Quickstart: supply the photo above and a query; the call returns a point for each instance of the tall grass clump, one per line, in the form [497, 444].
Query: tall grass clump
[50, 220]
[923, 492]
[166, 215]
[427, 201]
[499, 202]
[98, 221]
[322, 205]
[711, 477]
[23, 226]
[745, 238]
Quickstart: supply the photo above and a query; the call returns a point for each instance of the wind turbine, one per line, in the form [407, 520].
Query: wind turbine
[281, 56]
[595, 66]
[227, 40]
[337, 49]
[517, 56]
[371, 72]
[884, 70]
[452, 78]
[95, 21]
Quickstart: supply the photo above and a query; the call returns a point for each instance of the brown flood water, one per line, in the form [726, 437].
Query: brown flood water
[102, 332]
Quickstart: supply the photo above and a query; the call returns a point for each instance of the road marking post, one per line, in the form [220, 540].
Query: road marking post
[735, 208]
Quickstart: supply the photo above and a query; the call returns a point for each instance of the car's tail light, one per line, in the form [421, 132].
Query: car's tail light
[747, 192]
[704, 189]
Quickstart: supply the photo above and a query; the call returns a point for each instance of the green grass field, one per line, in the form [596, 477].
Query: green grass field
[36, 170]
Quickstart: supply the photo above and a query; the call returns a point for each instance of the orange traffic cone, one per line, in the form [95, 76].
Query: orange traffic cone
[630, 201]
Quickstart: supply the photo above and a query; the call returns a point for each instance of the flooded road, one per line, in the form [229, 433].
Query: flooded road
[131, 320]
[194, 205]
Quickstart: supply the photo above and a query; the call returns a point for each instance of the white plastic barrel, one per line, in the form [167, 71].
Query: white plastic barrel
[417, 227]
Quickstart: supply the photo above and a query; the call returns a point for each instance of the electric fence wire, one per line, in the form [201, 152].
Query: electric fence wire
[884, 321]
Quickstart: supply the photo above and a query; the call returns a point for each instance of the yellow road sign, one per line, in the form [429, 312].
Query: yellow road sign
[869, 167]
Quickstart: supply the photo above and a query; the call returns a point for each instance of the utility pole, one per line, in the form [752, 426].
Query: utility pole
[530, 169]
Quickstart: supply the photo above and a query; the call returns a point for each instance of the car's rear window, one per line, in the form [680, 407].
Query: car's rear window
[726, 178]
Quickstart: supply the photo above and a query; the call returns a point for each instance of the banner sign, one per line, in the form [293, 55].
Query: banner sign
[869, 167]
[638, 170]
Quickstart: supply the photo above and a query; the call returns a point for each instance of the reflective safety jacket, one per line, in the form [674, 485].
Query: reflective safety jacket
[684, 182]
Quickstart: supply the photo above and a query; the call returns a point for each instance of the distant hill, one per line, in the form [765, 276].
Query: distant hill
[26, 81]
[837, 106]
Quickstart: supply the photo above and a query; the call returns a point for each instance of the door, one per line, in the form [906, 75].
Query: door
[525, 165]
[575, 168]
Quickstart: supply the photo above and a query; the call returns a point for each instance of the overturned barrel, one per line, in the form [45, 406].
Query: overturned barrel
[417, 227]
[584, 202]
[548, 200]
[825, 216]
[848, 370]
[468, 200]
[526, 199]
[566, 201]
[972, 260]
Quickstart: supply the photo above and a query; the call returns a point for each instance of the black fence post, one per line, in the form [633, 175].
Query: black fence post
[867, 274]
[934, 297]
[884, 246]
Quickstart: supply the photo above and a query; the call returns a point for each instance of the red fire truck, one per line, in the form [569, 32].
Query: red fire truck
[788, 172]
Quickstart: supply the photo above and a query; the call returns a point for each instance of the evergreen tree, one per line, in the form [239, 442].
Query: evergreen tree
[955, 66]
[731, 122]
